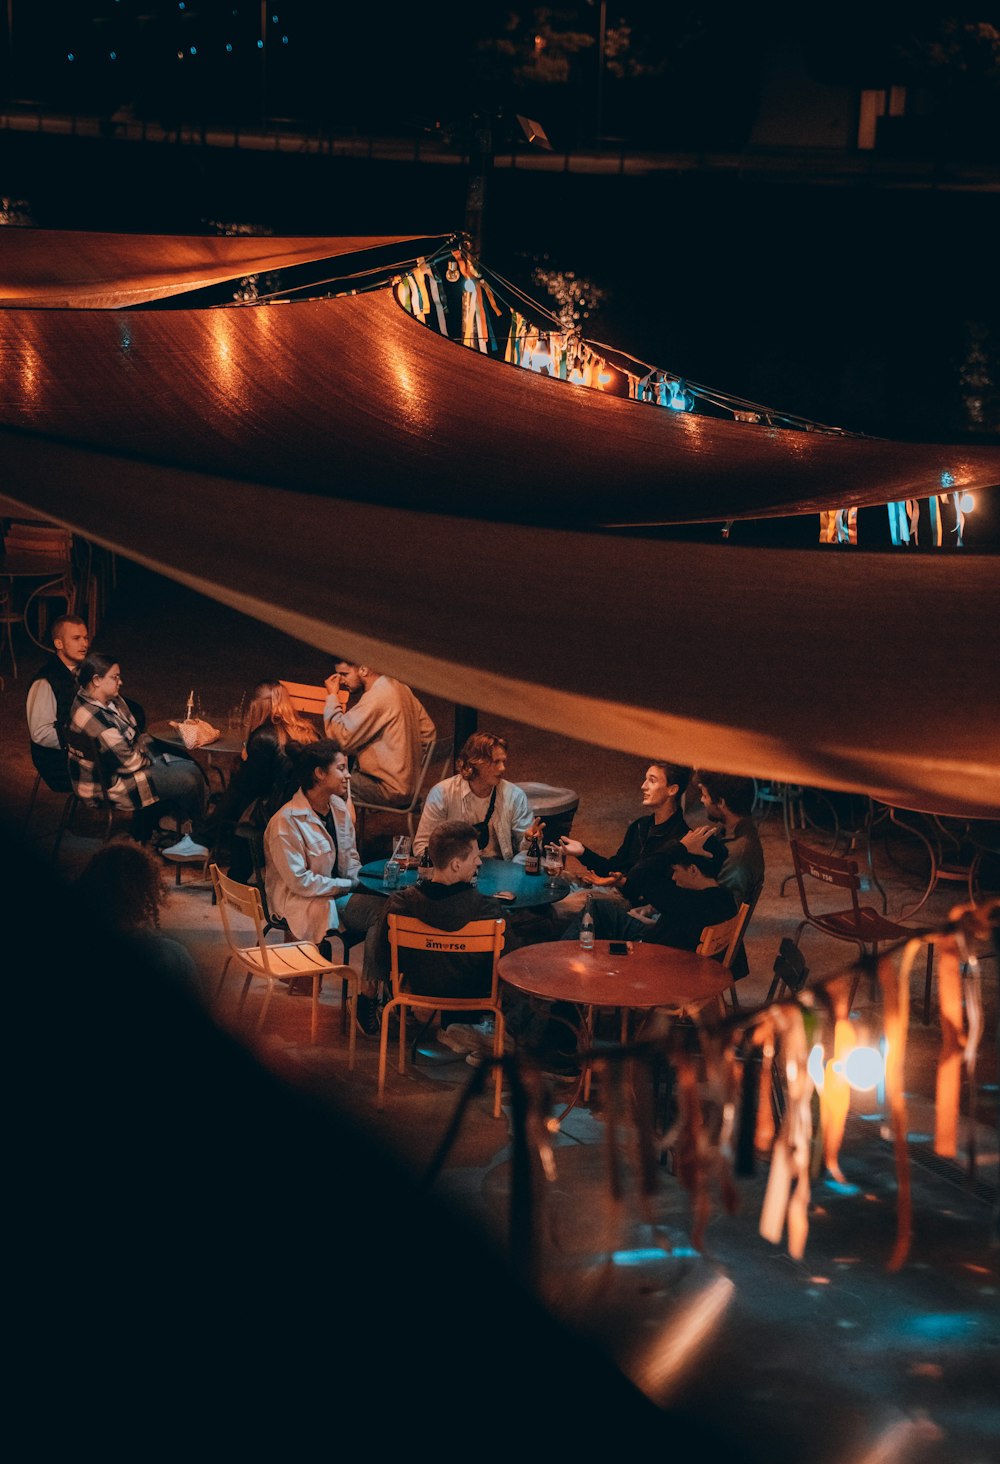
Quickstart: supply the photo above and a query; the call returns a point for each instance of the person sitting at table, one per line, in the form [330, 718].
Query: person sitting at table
[446, 901]
[386, 730]
[50, 700]
[479, 794]
[685, 897]
[263, 773]
[312, 864]
[134, 778]
[661, 824]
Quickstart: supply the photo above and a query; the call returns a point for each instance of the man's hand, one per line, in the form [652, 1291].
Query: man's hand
[610, 881]
[332, 683]
[571, 846]
[695, 840]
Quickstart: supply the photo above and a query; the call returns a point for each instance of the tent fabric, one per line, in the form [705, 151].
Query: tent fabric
[352, 396]
[871, 672]
[50, 269]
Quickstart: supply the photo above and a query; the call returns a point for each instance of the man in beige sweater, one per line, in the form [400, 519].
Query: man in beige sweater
[386, 731]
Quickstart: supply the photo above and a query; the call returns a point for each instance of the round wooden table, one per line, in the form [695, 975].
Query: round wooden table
[649, 977]
[225, 747]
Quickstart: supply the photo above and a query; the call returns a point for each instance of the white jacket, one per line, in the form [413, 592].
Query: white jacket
[301, 882]
[453, 798]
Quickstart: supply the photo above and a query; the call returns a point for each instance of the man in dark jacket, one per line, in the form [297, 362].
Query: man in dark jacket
[446, 901]
[50, 697]
[620, 877]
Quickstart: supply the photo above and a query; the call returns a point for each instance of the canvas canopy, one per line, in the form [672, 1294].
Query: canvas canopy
[333, 467]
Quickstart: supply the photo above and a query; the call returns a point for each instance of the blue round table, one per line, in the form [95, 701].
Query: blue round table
[494, 874]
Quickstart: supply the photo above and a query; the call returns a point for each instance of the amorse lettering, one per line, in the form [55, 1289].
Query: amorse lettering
[445, 945]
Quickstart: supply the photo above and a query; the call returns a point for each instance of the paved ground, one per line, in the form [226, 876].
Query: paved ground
[825, 1356]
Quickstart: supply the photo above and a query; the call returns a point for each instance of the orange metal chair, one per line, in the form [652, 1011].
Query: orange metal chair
[482, 937]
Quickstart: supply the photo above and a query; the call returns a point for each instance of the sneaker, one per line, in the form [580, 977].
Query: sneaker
[366, 1015]
[185, 848]
[460, 1037]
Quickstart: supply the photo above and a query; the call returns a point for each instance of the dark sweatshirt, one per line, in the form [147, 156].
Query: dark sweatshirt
[445, 907]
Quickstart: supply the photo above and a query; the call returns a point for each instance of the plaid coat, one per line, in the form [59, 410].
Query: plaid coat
[123, 757]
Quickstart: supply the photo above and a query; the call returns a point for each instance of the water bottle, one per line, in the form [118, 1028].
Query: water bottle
[587, 928]
[390, 874]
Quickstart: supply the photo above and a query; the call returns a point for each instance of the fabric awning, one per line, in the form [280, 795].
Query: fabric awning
[864, 672]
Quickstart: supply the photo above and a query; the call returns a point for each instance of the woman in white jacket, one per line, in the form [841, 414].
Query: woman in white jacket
[312, 864]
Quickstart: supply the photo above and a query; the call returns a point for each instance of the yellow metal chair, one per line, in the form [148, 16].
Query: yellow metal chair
[724, 939]
[479, 937]
[274, 963]
[311, 699]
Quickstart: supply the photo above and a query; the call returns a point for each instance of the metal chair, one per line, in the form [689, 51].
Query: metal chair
[724, 939]
[52, 546]
[479, 937]
[441, 749]
[251, 829]
[310, 699]
[858, 924]
[287, 961]
[82, 746]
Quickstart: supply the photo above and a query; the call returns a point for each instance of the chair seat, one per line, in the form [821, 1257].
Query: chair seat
[294, 959]
[868, 925]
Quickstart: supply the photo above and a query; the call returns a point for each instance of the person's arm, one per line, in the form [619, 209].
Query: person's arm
[42, 712]
[428, 731]
[433, 814]
[286, 853]
[132, 757]
[357, 727]
[349, 860]
[521, 816]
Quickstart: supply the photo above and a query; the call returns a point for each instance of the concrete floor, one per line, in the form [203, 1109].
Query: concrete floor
[823, 1356]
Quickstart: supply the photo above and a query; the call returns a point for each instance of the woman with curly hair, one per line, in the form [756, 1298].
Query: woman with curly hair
[122, 887]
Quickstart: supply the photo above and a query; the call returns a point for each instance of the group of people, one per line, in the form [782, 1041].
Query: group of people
[294, 789]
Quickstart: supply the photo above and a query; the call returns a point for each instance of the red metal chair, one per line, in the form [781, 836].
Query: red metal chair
[860, 925]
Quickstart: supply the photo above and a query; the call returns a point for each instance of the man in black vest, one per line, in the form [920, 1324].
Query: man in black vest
[50, 698]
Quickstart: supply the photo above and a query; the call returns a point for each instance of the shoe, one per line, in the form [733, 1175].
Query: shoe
[366, 1016]
[169, 824]
[185, 848]
[460, 1037]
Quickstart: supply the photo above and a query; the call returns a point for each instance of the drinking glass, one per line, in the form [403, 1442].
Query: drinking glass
[553, 863]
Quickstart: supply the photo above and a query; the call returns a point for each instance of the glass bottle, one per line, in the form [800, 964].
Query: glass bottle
[587, 928]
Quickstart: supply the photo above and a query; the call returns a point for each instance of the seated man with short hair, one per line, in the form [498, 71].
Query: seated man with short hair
[683, 887]
[50, 700]
[386, 731]
[446, 901]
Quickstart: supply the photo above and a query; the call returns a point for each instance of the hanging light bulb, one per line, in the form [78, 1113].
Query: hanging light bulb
[967, 502]
[451, 273]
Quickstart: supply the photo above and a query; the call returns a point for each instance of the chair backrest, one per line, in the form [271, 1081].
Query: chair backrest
[478, 937]
[724, 938]
[438, 752]
[233, 898]
[828, 869]
[311, 699]
[47, 541]
[790, 966]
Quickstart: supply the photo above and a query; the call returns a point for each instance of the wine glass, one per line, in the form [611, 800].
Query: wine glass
[552, 863]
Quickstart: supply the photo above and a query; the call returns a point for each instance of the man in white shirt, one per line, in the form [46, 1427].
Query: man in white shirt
[386, 730]
[479, 794]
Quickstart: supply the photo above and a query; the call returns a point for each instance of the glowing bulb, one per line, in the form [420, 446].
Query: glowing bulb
[967, 502]
[451, 273]
[814, 1067]
[864, 1068]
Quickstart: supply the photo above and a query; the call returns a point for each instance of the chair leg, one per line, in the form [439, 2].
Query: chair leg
[222, 978]
[352, 1040]
[314, 1023]
[69, 809]
[243, 993]
[927, 984]
[31, 803]
[344, 985]
[265, 1003]
[499, 1028]
[383, 1048]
